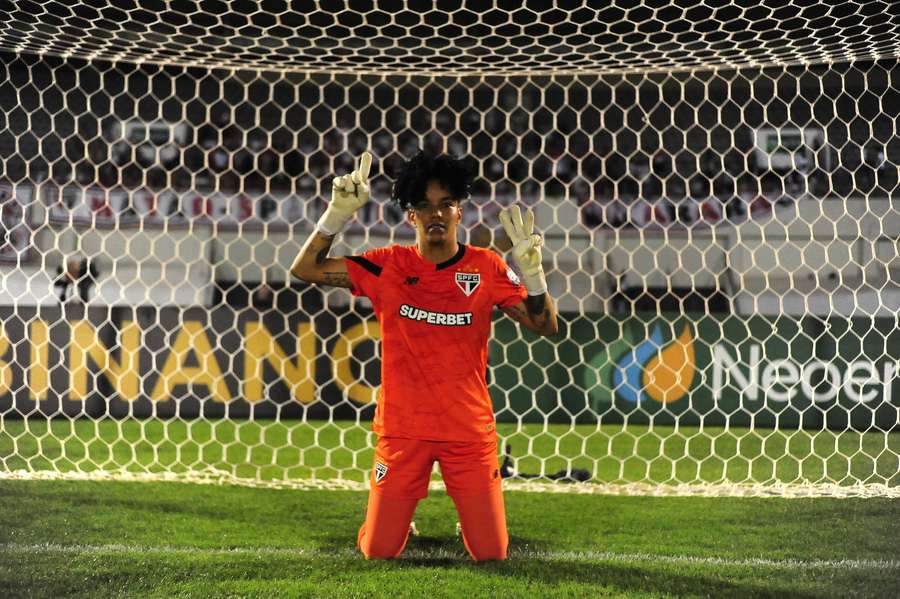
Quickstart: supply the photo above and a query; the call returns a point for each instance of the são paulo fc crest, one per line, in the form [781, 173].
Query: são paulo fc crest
[380, 472]
[468, 282]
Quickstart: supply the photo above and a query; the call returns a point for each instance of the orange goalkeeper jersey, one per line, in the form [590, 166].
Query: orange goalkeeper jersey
[435, 322]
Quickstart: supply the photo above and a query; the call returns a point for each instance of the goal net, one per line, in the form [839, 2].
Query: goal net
[717, 189]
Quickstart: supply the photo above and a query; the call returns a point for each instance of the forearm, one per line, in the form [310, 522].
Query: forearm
[315, 251]
[542, 314]
[314, 266]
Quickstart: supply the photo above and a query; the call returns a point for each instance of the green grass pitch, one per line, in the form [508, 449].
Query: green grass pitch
[286, 450]
[113, 539]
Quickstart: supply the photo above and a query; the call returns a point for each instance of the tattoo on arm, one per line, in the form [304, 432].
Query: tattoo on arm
[519, 314]
[322, 254]
[337, 279]
[516, 312]
[314, 266]
[536, 317]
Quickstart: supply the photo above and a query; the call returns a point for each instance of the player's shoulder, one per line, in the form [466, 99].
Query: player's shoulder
[385, 253]
[489, 261]
[485, 256]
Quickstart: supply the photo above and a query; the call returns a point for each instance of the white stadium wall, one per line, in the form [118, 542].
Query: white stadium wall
[794, 261]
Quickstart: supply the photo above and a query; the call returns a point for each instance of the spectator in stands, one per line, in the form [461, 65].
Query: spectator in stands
[616, 213]
[263, 297]
[663, 212]
[710, 211]
[760, 207]
[580, 191]
[686, 212]
[591, 212]
[641, 212]
[268, 207]
[735, 209]
[79, 273]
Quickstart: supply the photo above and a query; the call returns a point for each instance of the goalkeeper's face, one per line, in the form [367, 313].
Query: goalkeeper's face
[436, 216]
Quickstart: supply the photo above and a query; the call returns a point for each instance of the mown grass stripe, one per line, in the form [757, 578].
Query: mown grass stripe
[417, 553]
[211, 476]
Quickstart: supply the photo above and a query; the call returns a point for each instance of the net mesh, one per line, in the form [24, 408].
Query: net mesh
[716, 187]
[453, 37]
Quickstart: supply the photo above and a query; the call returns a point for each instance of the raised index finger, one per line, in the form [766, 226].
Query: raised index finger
[365, 163]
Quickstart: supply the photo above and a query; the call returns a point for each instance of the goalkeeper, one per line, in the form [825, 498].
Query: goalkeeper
[434, 302]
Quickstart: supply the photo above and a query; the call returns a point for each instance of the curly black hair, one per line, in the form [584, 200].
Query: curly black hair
[413, 177]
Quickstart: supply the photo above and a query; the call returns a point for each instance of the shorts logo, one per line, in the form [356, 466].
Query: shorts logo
[468, 282]
[380, 472]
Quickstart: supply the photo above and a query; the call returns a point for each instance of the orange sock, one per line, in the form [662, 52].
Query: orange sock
[384, 533]
[483, 520]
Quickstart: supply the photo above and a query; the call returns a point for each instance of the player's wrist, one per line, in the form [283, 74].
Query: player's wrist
[333, 221]
[535, 283]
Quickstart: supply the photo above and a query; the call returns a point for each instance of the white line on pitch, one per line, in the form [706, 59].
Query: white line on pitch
[603, 556]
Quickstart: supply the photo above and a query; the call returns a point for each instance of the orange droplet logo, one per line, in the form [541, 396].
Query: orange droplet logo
[670, 373]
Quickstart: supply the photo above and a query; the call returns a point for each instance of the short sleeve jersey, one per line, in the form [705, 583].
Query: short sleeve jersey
[435, 322]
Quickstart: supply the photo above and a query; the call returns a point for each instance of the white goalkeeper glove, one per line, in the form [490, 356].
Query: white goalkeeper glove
[348, 194]
[526, 248]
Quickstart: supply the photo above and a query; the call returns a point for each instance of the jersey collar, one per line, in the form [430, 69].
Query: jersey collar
[456, 258]
[459, 255]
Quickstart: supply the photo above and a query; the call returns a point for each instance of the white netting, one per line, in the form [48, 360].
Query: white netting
[716, 186]
[454, 37]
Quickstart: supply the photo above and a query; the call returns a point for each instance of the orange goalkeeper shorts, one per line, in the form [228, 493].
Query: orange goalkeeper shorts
[402, 467]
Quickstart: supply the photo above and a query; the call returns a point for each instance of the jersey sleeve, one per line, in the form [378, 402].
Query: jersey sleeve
[507, 290]
[365, 270]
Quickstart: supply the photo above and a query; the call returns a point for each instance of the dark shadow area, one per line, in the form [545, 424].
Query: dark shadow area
[675, 299]
[446, 549]
[630, 578]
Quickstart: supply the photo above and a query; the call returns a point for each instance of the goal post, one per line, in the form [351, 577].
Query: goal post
[720, 218]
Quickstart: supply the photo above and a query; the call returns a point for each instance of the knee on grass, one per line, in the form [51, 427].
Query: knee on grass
[382, 550]
[487, 552]
[490, 557]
